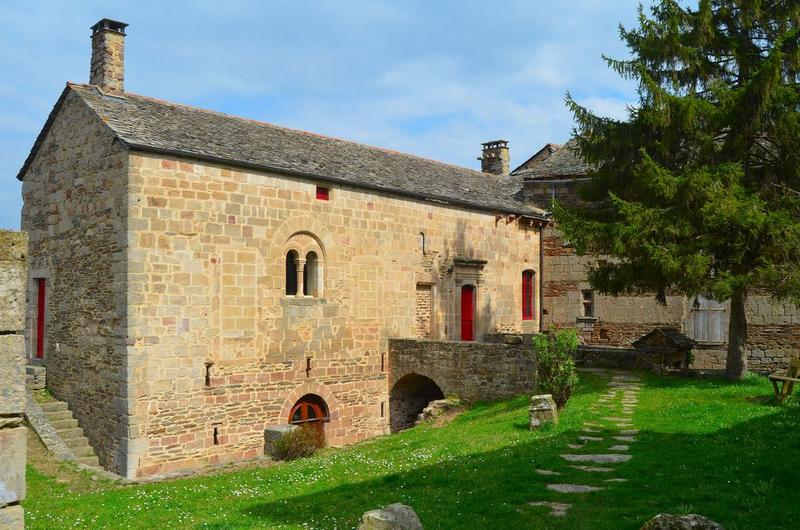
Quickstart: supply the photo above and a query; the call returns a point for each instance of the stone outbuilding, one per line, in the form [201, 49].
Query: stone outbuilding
[615, 322]
[668, 346]
[196, 277]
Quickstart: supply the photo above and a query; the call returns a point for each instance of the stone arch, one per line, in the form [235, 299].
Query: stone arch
[317, 389]
[303, 224]
[409, 395]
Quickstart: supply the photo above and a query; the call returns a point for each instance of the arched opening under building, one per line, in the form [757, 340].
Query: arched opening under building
[312, 411]
[409, 396]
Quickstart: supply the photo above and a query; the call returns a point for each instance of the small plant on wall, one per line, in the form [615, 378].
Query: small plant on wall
[555, 362]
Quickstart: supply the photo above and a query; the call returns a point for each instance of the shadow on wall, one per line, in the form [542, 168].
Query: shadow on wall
[492, 489]
[409, 396]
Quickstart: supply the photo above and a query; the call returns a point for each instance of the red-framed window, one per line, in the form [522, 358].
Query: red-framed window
[41, 304]
[467, 313]
[323, 194]
[527, 294]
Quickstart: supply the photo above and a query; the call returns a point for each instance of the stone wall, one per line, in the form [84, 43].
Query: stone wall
[773, 326]
[616, 320]
[473, 371]
[75, 213]
[206, 292]
[13, 251]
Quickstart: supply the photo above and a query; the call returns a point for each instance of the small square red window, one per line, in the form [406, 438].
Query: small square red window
[323, 194]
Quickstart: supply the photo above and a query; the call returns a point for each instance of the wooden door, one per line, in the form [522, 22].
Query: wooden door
[40, 315]
[468, 313]
[308, 412]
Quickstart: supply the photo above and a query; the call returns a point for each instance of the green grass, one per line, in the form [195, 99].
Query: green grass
[707, 447]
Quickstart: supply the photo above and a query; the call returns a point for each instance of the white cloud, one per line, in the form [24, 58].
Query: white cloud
[434, 79]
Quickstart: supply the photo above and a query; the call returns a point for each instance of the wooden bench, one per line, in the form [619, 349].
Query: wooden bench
[788, 380]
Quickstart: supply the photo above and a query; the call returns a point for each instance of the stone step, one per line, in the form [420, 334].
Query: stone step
[58, 415]
[35, 370]
[68, 423]
[572, 488]
[598, 458]
[84, 450]
[54, 406]
[90, 460]
[70, 433]
[76, 442]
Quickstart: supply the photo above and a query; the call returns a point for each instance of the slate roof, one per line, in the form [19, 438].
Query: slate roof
[553, 161]
[153, 125]
[672, 336]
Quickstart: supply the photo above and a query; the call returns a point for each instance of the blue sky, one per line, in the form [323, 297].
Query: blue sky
[433, 78]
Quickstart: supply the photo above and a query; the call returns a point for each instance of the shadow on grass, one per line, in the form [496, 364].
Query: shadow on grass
[743, 476]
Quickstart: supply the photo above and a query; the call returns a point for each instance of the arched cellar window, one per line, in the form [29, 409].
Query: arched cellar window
[311, 275]
[310, 410]
[291, 273]
[527, 294]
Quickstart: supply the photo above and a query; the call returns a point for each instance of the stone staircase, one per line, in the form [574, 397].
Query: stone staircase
[60, 417]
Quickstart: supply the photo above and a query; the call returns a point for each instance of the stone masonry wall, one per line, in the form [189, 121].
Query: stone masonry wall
[773, 327]
[617, 321]
[423, 311]
[13, 438]
[75, 213]
[206, 286]
[472, 371]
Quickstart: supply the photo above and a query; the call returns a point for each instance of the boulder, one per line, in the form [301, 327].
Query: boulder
[438, 407]
[666, 521]
[542, 410]
[393, 517]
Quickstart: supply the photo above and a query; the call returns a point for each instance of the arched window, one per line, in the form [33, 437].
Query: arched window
[305, 266]
[311, 275]
[291, 273]
[422, 242]
[527, 294]
[310, 410]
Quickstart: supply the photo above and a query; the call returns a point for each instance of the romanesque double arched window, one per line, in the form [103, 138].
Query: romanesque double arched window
[304, 267]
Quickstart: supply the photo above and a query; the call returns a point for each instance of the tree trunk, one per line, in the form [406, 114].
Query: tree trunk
[736, 365]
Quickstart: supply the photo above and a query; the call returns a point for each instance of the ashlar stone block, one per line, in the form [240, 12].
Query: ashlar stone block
[13, 448]
[542, 410]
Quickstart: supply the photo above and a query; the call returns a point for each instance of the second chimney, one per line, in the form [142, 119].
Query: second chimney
[107, 70]
[495, 158]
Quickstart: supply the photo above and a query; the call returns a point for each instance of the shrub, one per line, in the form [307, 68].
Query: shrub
[297, 443]
[556, 365]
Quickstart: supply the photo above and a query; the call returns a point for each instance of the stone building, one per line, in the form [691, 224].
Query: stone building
[568, 300]
[196, 277]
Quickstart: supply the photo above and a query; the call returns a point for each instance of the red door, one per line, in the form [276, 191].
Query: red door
[467, 312]
[40, 305]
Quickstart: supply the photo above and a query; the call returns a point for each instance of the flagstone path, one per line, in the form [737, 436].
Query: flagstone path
[616, 427]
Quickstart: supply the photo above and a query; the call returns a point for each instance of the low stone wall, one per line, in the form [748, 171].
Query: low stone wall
[13, 438]
[620, 358]
[473, 371]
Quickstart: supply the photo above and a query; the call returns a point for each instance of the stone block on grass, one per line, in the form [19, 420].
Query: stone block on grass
[542, 410]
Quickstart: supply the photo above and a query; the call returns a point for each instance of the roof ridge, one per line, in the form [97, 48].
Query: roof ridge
[283, 127]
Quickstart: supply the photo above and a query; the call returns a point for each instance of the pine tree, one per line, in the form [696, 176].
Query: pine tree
[698, 190]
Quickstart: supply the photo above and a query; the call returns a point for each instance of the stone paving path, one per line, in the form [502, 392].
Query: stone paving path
[601, 445]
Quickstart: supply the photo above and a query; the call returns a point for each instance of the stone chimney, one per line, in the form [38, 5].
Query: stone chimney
[495, 158]
[107, 70]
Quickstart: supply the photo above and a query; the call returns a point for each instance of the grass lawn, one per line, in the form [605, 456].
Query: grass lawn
[722, 450]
